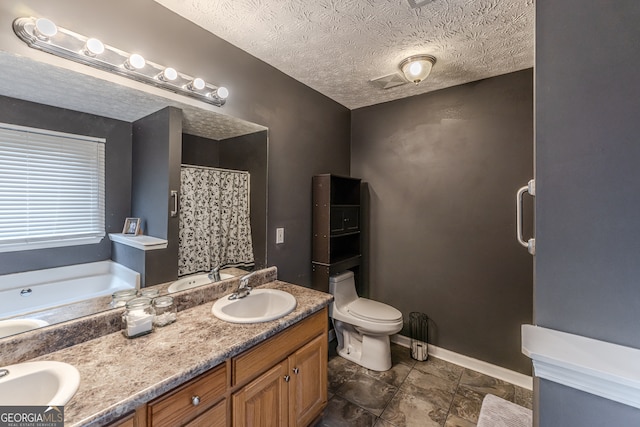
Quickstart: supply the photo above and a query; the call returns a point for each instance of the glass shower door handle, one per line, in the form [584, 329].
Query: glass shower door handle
[531, 243]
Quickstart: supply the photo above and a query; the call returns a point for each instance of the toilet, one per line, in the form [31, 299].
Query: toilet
[362, 326]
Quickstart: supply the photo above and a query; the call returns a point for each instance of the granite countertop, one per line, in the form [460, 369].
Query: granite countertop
[38, 342]
[117, 374]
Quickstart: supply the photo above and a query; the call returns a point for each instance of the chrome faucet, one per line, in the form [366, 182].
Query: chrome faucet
[4, 373]
[243, 288]
[214, 276]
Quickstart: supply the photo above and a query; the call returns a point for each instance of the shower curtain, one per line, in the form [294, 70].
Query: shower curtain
[214, 219]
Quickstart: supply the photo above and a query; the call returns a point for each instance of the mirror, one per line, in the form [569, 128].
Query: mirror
[241, 153]
[45, 96]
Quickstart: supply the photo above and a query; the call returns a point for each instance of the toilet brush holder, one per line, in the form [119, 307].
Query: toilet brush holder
[419, 332]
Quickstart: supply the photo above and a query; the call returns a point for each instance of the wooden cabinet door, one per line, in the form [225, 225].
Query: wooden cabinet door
[263, 402]
[308, 385]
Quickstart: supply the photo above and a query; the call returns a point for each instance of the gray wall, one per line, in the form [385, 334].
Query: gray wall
[442, 172]
[587, 152]
[560, 406]
[248, 153]
[197, 150]
[157, 153]
[308, 133]
[117, 174]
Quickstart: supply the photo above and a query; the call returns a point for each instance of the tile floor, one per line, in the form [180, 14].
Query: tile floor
[411, 393]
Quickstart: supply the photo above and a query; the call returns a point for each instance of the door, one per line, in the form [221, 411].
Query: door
[308, 386]
[264, 401]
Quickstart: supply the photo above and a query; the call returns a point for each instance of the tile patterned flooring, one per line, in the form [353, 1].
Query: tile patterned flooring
[411, 393]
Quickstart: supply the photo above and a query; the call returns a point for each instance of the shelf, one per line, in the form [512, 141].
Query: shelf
[336, 244]
[145, 243]
[346, 258]
[597, 367]
[342, 262]
[346, 233]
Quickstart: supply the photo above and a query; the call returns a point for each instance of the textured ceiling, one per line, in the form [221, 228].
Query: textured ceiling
[338, 46]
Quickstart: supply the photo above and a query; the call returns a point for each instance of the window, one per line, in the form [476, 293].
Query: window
[51, 189]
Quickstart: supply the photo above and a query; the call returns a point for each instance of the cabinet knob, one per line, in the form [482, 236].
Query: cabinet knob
[195, 400]
[287, 378]
[296, 371]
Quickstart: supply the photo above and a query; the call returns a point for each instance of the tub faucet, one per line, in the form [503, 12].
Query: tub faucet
[4, 373]
[243, 288]
[214, 276]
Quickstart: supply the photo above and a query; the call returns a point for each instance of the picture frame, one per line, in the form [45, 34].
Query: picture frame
[131, 226]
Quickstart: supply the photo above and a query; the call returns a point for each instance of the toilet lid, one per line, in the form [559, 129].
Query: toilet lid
[374, 311]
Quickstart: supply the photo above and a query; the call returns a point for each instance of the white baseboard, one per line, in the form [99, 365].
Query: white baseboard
[486, 368]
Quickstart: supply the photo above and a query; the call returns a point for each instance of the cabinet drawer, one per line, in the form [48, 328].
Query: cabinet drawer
[263, 356]
[177, 407]
[214, 417]
[124, 422]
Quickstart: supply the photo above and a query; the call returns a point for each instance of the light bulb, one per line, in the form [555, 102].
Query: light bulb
[135, 62]
[196, 84]
[222, 92]
[415, 68]
[168, 74]
[45, 29]
[93, 47]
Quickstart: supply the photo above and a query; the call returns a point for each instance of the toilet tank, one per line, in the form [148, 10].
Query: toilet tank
[343, 288]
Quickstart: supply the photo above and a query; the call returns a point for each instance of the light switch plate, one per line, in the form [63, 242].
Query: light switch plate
[279, 235]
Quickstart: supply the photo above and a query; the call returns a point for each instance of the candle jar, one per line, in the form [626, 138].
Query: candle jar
[166, 312]
[120, 298]
[149, 292]
[137, 319]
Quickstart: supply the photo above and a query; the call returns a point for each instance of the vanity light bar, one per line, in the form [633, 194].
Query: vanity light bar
[44, 35]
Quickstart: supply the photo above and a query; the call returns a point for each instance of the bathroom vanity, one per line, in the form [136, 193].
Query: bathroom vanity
[283, 380]
[204, 371]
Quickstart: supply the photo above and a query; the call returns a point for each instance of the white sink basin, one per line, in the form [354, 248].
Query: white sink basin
[261, 305]
[38, 383]
[194, 281]
[16, 326]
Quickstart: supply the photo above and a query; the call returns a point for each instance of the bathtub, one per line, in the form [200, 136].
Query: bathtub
[21, 293]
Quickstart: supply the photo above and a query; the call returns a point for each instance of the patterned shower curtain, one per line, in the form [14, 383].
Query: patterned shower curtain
[214, 219]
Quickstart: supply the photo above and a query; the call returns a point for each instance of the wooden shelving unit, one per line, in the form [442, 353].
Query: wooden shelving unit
[336, 227]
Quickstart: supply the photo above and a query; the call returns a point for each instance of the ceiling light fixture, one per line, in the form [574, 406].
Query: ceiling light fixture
[417, 68]
[43, 34]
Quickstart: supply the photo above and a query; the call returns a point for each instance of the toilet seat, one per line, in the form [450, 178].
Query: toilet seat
[374, 311]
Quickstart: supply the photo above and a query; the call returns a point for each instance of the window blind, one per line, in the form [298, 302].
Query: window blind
[51, 189]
